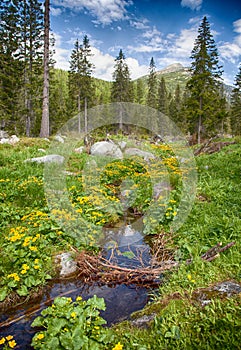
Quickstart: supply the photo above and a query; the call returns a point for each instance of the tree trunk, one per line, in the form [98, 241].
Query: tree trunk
[86, 120]
[79, 121]
[44, 132]
[199, 122]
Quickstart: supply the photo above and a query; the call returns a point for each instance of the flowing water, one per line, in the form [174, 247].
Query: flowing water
[120, 300]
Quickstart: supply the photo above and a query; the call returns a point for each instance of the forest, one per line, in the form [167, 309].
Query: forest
[200, 109]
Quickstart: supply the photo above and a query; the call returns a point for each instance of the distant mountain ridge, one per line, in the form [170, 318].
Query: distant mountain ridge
[175, 74]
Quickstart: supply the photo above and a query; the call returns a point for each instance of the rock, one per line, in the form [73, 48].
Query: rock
[11, 141]
[59, 138]
[122, 144]
[138, 152]
[67, 264]
[144, 321]
[106, 148]
[228, 287]
[3, 134]
[51, 158]
[79, 149]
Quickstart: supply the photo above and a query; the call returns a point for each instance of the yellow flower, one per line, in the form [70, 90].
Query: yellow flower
[73, 314]
[23, 272]
[2, 340]
[79, 298]
[36, 267]
[9, 337]
[118, 346]
[12, 344]
[14, 275]
[189, 276]
[40, 336]
[25, 267]
[33, 248]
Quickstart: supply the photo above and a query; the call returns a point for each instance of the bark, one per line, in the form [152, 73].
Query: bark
[44, 132]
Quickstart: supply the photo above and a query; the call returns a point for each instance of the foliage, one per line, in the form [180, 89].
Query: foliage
[72, 325]
[122, 89]
[236, 105]
[203, 86]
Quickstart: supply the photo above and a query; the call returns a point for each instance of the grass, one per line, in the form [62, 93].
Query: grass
[31, 235]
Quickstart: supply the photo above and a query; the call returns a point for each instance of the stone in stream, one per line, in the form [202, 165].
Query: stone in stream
[67, 264]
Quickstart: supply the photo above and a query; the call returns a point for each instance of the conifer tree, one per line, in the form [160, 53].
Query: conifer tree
[162, 102]
[140, 91]
[235, 112]
[152, 85]
[81, 86]
[9, 66]
[122, 89]
[204, 82]
[44, 131]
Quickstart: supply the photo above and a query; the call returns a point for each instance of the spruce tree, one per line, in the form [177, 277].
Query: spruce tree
[44, 131]
[235, 111]
[162, 102]
[204, 82]
[9, 67]
[152, 85]
[122, 89]
[80, 80]
[140, 91]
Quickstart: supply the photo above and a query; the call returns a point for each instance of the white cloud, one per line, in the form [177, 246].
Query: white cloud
[105, 11]
[151, 41]
[138, 24]
[104, 64]
[231, 51]
[55, 11]
[135, 68]
[61, 56]
[192, 4]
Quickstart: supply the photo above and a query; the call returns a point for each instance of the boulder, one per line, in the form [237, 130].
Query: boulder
[3, 134]
[122, 144]
[67, 265]
[11, 141]
[138, 152]
[106, 148]
[59, 138]
[51, 158]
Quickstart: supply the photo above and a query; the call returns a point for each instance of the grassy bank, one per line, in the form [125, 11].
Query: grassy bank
[30, 237]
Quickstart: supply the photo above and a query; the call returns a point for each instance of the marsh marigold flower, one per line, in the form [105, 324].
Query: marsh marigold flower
[118, 346]
[12, 344]
[40, 336]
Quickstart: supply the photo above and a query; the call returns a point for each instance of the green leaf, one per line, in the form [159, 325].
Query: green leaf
[22, 291]
[3, 293]
[128, 254]
[38, 322]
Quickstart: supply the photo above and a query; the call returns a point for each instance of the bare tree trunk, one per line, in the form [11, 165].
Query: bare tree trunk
[44, 132]
[199, 122]
[86, 120]
[79, 121]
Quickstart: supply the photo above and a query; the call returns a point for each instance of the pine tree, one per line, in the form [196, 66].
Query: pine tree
[81, 86]
[44, 131]
[152, 85]
[175, 106]
[9, 66]
[31, 54]
[140, 91]
[235, 112]
[122, 89]
[162, 102]
[204, 82]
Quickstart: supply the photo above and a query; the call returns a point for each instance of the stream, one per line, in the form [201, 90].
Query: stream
[121, 300]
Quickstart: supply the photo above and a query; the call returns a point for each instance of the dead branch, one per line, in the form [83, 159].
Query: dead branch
[97, 268]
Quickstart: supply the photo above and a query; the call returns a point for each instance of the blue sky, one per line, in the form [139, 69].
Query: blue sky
[162, 29]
